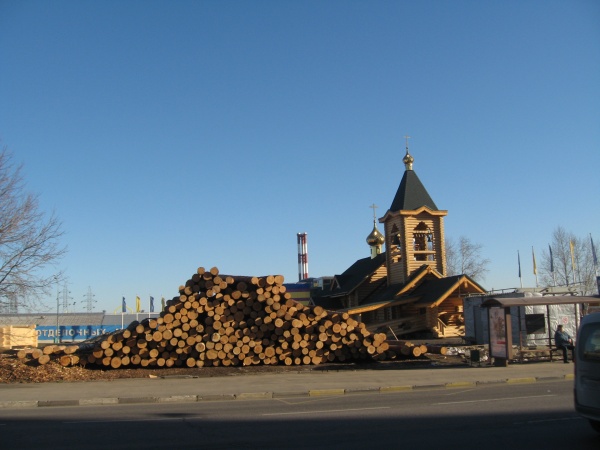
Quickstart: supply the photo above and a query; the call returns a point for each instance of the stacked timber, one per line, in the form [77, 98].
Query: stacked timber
[225, 320]
[64, 354]
[15, 336]
[406, 349]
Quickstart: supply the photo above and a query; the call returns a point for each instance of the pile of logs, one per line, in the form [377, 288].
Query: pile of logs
[224, 320]
[64, 354]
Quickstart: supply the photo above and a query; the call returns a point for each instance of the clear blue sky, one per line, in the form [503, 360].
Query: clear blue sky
[171, 135]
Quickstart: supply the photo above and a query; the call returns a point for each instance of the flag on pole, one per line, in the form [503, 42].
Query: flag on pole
[151, 304]
[551, 259]
[534, 265]
[594, 257]
[124, 306]
[572, 247]
[137, 304]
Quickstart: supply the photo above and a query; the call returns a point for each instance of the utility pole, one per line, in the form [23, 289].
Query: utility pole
[66, 298]
[56, 337]
[89, 300]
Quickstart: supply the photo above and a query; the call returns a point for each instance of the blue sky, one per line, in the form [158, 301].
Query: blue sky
[171, 135]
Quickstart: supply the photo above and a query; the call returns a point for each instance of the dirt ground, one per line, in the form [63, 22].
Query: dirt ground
[14, 370]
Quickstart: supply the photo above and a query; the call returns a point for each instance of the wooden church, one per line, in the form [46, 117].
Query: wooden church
[404, 290]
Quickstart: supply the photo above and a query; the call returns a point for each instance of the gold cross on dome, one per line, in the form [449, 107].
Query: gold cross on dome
[374, 207]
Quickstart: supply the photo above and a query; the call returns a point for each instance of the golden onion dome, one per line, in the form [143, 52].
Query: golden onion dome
[408, 160]
[375, 237]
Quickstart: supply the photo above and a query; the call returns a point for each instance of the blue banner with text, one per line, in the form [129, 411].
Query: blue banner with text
[72, 333]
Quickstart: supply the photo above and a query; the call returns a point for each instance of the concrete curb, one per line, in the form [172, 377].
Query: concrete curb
[325, 392]
[521, 380]
[178, 399]
[128, 400]
[99, 401]
[51, 403]
[387, 389]
[288, 394]
[19, 404]
[461, 384]
[254, 396]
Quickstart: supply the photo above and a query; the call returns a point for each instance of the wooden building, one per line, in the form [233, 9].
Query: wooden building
[404, 289]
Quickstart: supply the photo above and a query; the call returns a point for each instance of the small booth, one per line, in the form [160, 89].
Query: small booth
[528, 323]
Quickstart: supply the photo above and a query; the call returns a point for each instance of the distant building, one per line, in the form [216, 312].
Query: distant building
[72, 327]
[300, 291]
[303, 291]
[404, 289]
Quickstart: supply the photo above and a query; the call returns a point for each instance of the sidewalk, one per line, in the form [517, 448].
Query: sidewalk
[263, 386]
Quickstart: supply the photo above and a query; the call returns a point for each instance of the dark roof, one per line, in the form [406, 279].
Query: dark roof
[330, 303]
[350, 280]
[411, 194]
[385, 295]
[431, 290]
[356, 274]
[390, 292]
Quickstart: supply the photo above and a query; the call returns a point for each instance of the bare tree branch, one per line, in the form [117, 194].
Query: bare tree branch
[564, 270]
[464, 257]
[29, 241]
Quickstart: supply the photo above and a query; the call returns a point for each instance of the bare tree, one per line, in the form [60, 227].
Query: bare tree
[29, 241]
[464, 257]
[566, 267]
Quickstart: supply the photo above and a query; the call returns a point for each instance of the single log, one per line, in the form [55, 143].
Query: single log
[48, 349]
[437, 349]
[43, 359]
[24, 353]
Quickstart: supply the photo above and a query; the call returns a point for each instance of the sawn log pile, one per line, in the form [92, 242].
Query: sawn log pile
[224, 320]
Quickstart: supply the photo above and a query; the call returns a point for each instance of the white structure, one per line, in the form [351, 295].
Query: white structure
[534, 318]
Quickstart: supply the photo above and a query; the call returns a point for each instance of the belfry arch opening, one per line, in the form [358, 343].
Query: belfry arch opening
[423, 243]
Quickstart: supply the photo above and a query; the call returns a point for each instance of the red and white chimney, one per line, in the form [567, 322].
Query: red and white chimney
[302, 257]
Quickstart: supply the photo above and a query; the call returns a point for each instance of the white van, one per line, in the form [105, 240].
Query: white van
[587, 370]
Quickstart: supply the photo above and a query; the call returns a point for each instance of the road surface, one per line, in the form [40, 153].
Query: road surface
[499, 416]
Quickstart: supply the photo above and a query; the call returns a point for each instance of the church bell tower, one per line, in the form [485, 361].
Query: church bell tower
[413, 228]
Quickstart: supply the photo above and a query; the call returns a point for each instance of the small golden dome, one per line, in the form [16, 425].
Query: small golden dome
[375, 237]
[408, 160]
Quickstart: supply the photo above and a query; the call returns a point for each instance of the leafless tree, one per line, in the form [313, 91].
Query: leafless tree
[566, 268]
[464, 257]
[29, 241]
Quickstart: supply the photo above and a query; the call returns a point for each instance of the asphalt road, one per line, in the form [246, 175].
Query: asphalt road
[527, 416]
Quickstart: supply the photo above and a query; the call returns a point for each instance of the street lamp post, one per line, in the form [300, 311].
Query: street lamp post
[56, 339]
[66, 304]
